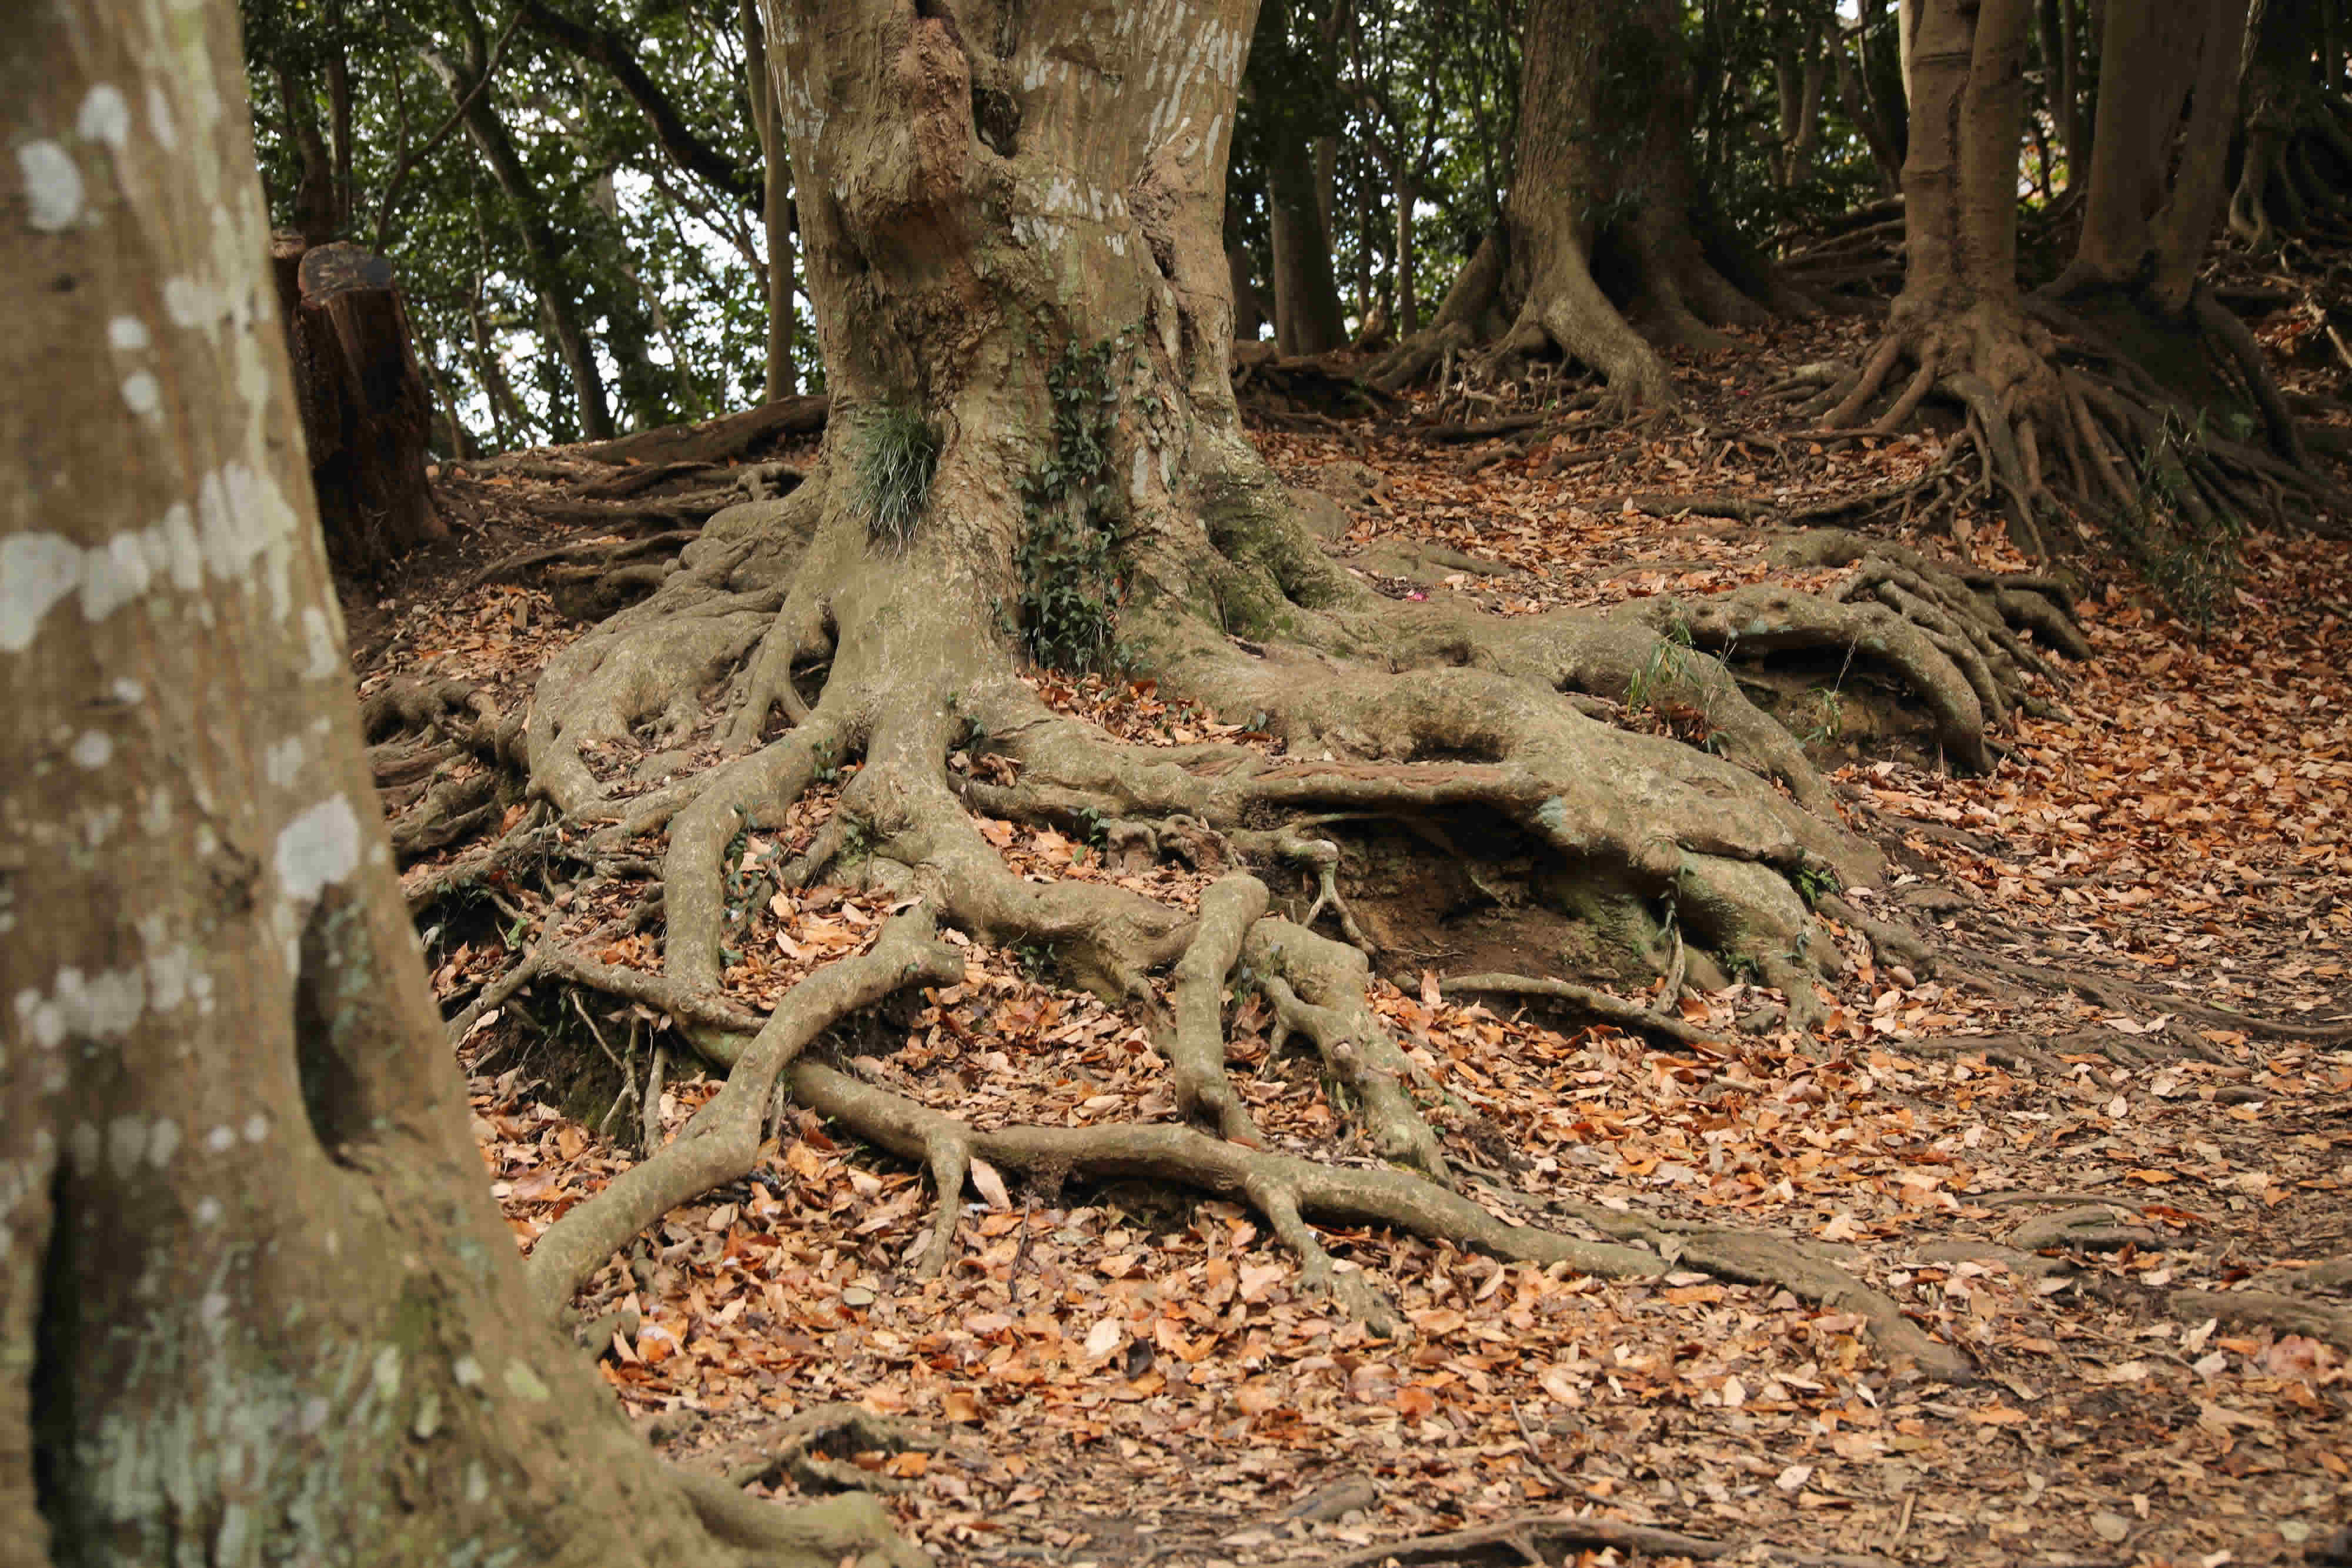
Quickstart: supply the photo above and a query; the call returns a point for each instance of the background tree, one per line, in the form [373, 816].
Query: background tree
[1602, 160]
[259, 1304]
[2294, 177]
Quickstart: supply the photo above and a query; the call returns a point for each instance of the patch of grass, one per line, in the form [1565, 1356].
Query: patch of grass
[898, 453]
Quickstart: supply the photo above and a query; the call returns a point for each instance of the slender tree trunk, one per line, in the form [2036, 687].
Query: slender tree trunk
[775, 209]
[549, 278]
[259, 1305]
[1307, 319]
[1407, 289]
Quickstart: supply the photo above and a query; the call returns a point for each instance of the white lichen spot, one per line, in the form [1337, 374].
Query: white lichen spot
[315, 1411]
[162, 1141]
[221, 1139]
[93, 748]
[52, 185]
[282, 763]
[466, 1371]
[323, 648]
[189, 303]
[386, 1371]
[208, 1212]
[257, 1127]
[90, 1007]
[317, 848]
[98, 826]
[35, 572]
[105, 116]
[1138, 482]
[142, 394]
[127, 691]
[478, 1481]
[168, 975]
[160, 118]
[82, 1146]
[41, 1018]
[524, 1383]
[213, 1307]
[127, 334]
[126, 1144]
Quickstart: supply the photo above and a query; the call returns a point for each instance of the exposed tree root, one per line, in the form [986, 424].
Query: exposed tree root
[2279, 1312]
[2294, 176]
[1288, 1189]
[1541, 1540]
[443, 759]
[1544, 1540]
[1586, 1001]
[850, 1529]
[2089, 405]
[721, 1143]
[814, 1448]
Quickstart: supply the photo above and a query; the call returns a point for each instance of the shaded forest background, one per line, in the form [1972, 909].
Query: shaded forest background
[576, 195]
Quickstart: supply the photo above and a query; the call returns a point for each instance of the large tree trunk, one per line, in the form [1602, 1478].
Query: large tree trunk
[1603, 165]
[258, 1303]
[2167, 97]
[1013, 218]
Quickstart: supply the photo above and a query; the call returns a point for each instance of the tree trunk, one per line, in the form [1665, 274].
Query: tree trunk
[1249, 313]
[1602, 171]
[258, 1306]
[1307, 319]
[2294, 176]
[783, 378]
[2167, 97]
[1034, 454]
[2062, 429]
[367, 417]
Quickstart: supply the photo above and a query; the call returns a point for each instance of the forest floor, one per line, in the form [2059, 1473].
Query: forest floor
[2083, 1185]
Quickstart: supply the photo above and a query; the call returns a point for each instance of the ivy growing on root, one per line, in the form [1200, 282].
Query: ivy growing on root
[1071, 578]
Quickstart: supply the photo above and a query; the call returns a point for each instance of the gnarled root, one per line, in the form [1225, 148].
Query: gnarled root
[2066, 426]
[722, 1142]
[1288, 1189]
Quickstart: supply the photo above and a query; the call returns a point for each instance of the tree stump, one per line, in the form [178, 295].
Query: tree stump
[366, 414]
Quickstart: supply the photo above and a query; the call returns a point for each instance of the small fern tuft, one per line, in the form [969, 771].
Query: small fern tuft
[898, 452]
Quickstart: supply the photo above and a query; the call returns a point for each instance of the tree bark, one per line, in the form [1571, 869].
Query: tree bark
[258, 1303]
[1307, 316]
[2294, 176]
[2167, 97]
